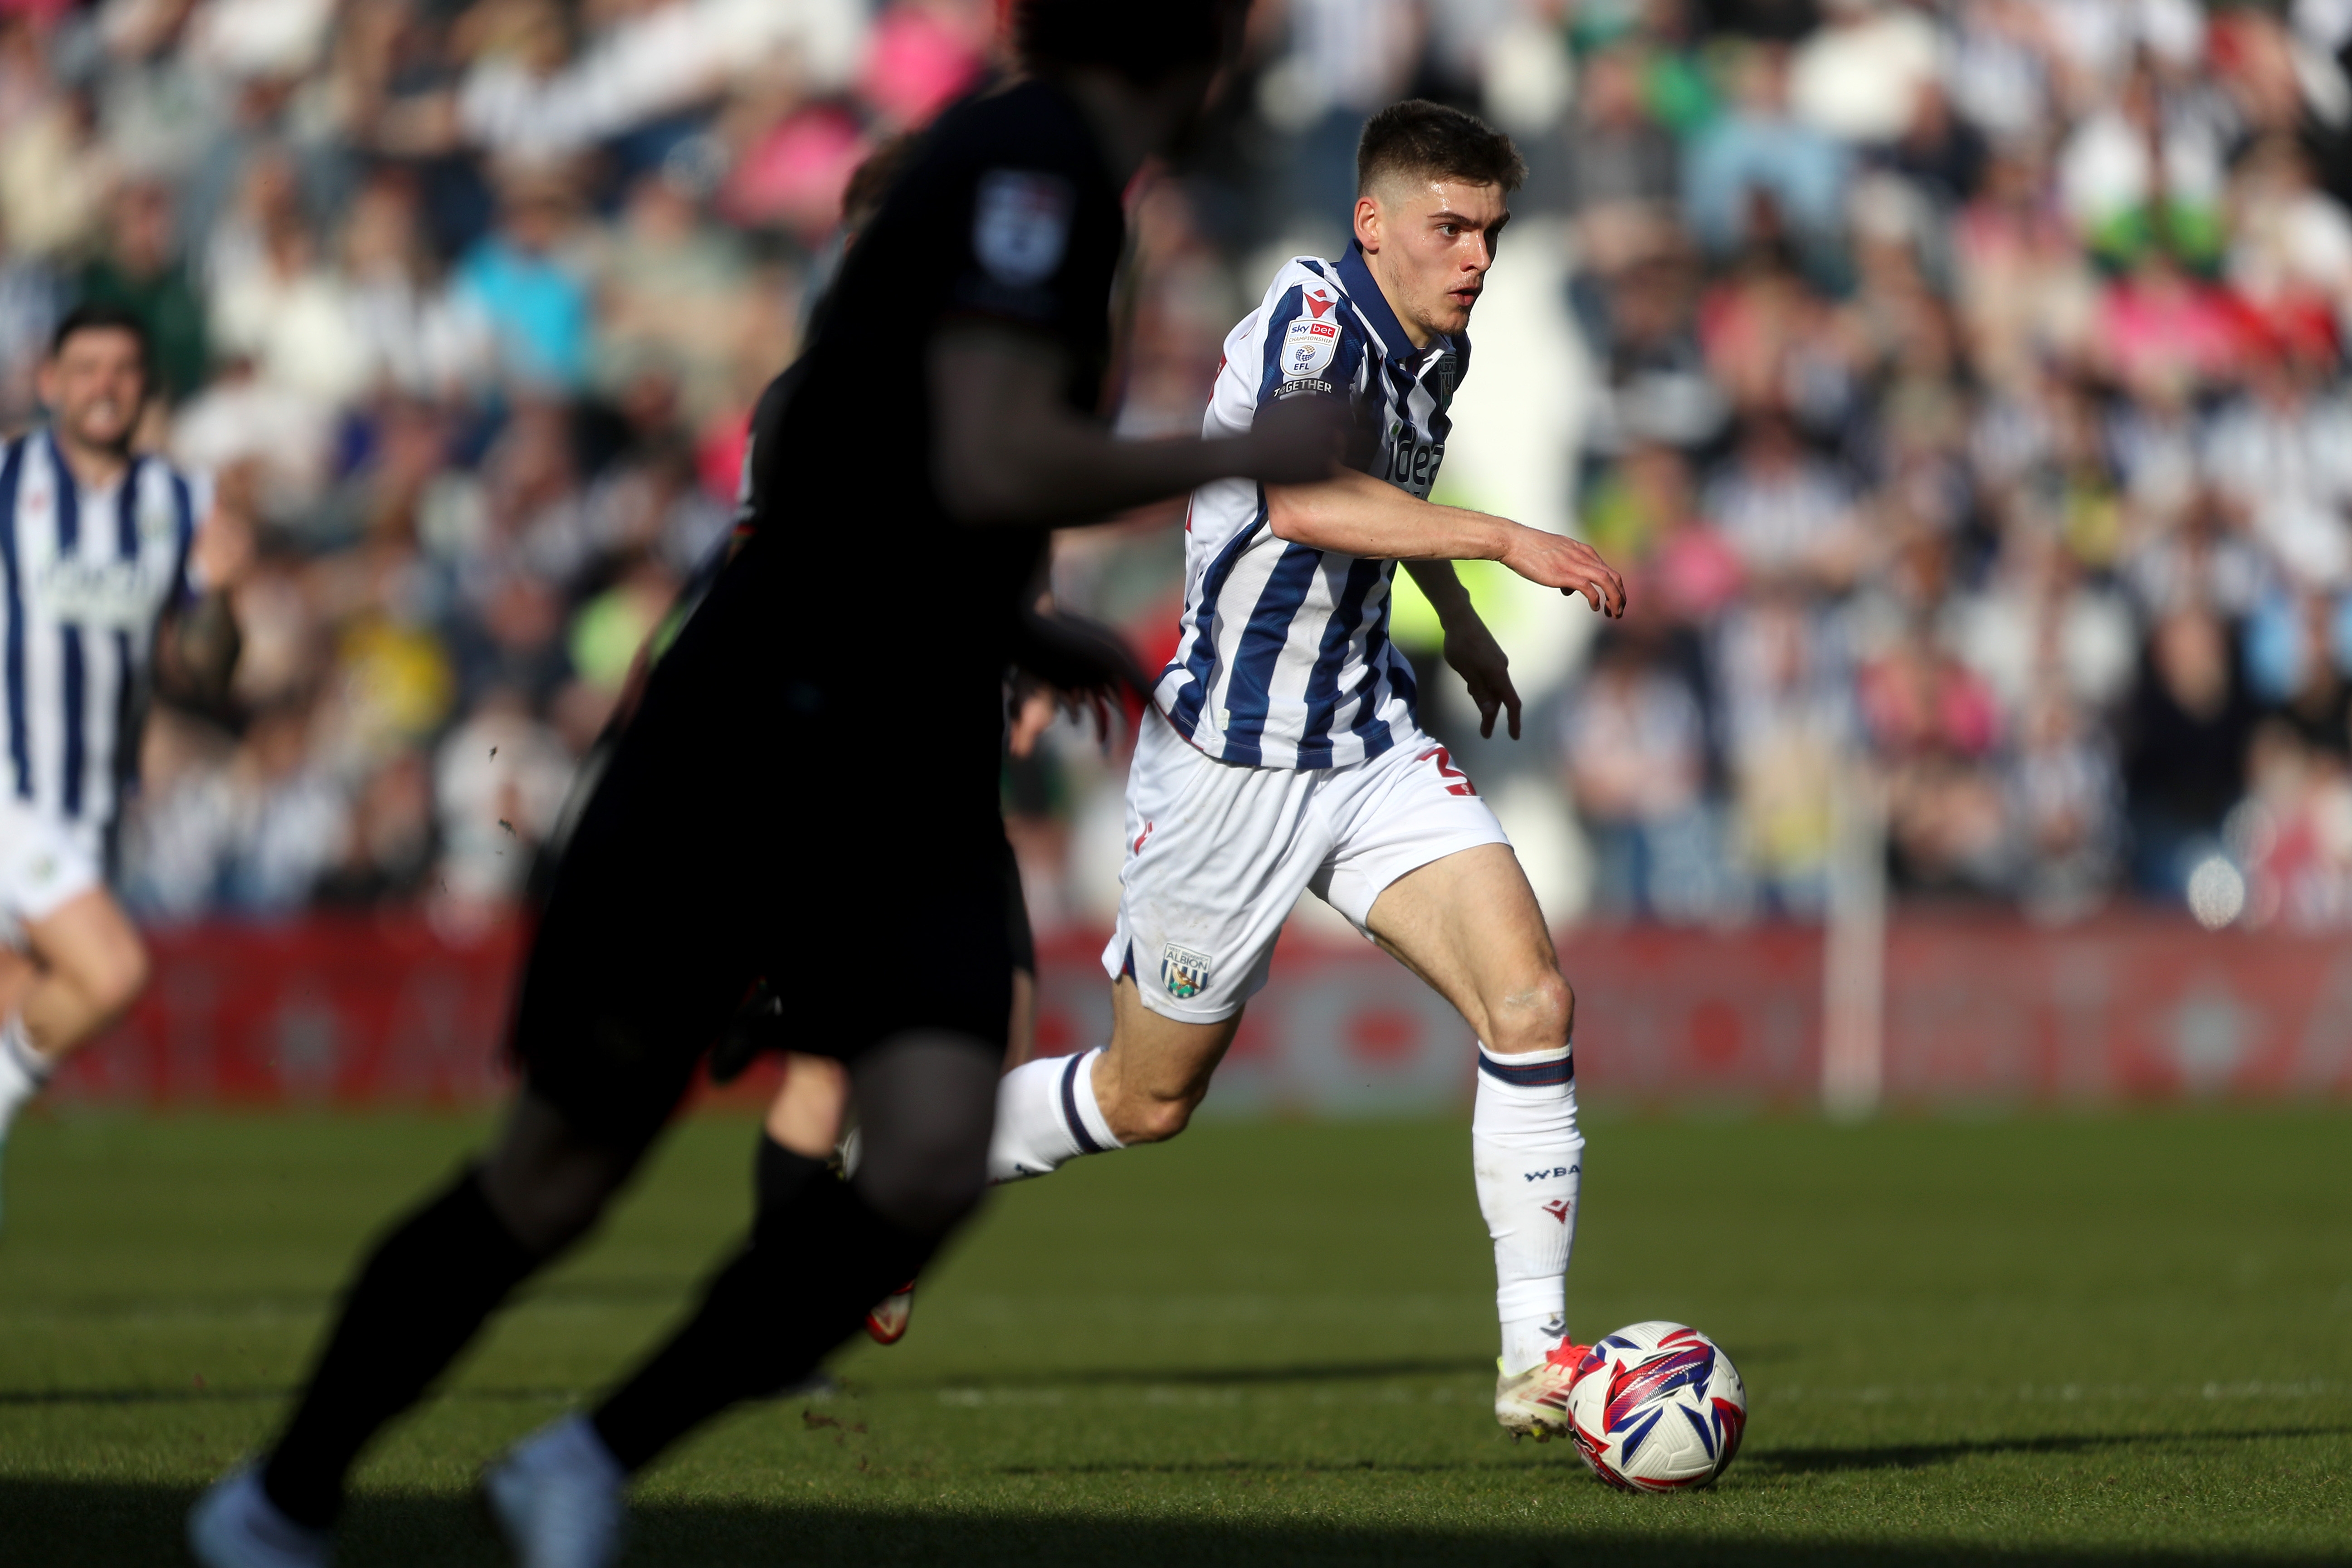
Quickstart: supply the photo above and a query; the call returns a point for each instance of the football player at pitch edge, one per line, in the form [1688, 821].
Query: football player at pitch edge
[808, 791]
[1282, 751]
[116, 576]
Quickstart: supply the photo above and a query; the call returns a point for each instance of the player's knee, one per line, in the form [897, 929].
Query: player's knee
[548, 1213]
[926, 1190]
[115, 972]
[548, 1183]
[1538, 1017]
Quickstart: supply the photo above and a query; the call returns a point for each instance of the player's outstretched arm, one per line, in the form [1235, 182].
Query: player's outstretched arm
[1360, 515]
[1007, 448]
[1470, 648]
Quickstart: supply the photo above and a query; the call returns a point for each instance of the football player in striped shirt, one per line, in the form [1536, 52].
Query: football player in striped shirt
[1282, 751]
[110, 575]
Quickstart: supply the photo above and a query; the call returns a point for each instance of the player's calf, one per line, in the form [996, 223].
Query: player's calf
[1470, 925]
[87, 966]
[1142, 1088]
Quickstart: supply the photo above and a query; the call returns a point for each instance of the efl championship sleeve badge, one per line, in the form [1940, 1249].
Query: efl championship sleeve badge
[1184, 971]
[1308, 346]
[1021, 225]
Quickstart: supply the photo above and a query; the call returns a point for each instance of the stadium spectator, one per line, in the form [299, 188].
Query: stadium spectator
[528, 278]
[1635, 761]
[2187, 734]
[141, 270]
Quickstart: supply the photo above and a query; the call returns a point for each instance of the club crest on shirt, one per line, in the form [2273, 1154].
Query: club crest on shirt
[1186, 973]
[157, 521]
[1021, 225]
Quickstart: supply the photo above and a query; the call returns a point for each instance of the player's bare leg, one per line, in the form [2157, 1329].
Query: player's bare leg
[810, 1106]
[1142, 1088]
[89, 967]
[82, 967]
[1156, 1071]
[1469, 925]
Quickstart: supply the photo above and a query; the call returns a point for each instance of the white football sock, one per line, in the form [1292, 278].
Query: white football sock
[1046, 1116]
[23, 1071]
[1528, 1157]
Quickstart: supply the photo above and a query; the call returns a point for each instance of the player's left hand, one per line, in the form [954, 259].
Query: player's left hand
[1089, 667]
[1034, 708]
[223, 550]
[1486, 669]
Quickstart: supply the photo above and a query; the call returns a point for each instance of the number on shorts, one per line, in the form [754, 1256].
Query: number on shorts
[1445, 769]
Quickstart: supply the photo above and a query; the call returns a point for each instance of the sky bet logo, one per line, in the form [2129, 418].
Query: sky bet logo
[1554, 1172]
[124, 594]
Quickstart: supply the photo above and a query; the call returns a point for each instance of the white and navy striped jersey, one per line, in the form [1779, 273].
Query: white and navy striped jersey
[1284, 660]
[84, 577]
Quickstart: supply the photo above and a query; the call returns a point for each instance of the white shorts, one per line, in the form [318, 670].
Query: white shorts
[1217, 854]
[43, 866]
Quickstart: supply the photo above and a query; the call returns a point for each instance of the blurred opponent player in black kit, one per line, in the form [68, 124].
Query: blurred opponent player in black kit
[808, 790]
[802, 1136]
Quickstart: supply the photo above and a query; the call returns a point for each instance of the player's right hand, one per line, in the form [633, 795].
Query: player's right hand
[1570, 565]
[1297, 441]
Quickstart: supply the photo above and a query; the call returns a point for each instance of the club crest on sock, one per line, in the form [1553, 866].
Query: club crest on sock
[1186, 973]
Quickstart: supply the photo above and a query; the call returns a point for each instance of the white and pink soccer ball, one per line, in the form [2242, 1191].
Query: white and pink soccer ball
[1657, 1407]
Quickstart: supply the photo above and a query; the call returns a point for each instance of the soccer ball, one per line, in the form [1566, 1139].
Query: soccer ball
[1656, 1407]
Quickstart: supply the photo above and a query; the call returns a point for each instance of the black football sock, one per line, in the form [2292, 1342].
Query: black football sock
[813, 1266]
[417, 1302]
[778, 1174]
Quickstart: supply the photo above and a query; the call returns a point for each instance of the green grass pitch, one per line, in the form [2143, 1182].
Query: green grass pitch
[2086, 1341]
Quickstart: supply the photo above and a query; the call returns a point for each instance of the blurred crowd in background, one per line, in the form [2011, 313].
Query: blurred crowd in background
[1960, 384]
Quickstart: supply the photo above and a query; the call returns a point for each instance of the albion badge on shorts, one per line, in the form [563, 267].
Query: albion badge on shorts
[1185, 972]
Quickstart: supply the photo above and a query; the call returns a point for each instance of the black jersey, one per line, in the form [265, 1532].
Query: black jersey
[856, 587]
[807, 791]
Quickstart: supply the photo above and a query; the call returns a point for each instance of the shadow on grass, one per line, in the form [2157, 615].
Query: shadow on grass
[1923, 1456]
[70, 1524]
[209, 1394]
[1767, 1462]
[1212, 1376]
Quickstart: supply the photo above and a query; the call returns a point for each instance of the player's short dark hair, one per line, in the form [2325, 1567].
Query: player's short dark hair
[1145, 41]
[102, 316]
[1418, 137]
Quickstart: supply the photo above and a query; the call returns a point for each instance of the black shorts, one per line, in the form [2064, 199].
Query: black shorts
[713, 852]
